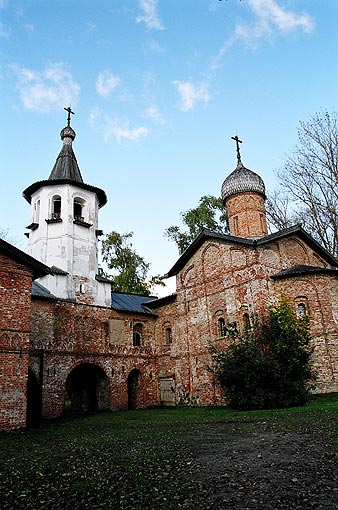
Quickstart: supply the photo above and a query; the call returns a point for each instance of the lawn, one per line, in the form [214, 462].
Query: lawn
[174, 458]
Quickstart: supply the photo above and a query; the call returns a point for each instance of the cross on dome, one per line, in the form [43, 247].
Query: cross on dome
[238, 141]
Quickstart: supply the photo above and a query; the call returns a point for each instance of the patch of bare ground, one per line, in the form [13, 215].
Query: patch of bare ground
[267, 470]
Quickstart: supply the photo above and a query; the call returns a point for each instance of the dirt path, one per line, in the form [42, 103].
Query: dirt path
[263, 471]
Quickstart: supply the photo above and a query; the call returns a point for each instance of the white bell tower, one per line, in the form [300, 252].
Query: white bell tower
[63, 232]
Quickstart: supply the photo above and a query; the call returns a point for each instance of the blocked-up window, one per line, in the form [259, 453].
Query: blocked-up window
[169, 335]
[137, 335]
[246, 322]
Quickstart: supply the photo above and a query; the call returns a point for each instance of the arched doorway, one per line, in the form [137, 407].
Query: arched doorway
[133, 389]
[34, 398]
[87, 389]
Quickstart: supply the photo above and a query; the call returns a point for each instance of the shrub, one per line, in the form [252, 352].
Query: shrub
[268, 366]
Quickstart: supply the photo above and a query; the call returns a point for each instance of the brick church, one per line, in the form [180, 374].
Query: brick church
[68, 342]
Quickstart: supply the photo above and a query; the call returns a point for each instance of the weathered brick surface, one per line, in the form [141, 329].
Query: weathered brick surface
[227, 280]
[67, 335]
[15, 299]
[246, 215]
[221, 279]
[87, 354]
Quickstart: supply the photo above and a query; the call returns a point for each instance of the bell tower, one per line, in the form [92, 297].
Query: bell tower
[63, 230]
[243, 194]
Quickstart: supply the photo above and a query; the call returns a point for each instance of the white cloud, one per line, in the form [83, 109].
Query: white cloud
[46, 90]
[5, 32]
[149, 16]
[106, 82]
[155, 115]
[29, 27]
[112, 127]
[191, 94]
[270, 18]
[270, 14]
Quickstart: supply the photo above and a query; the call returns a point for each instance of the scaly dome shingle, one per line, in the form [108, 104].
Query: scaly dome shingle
[242, 180]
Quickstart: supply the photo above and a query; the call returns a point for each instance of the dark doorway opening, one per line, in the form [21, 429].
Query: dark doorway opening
[133, 389]
[34, 398]
[87, 390]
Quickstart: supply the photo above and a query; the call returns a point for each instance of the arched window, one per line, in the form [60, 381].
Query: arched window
[222, 330]
[169, 336]
[36, 212]
[137, 335]
[301, 310]
[78, 207]
[301, 306]
[56, 207]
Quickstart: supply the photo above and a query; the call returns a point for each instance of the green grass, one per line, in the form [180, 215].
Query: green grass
[131, 459]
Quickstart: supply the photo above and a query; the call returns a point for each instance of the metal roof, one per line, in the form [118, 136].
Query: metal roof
[39, 291]
[206, 235]
[304, 270]
[66, 166]
[131, 303]
[65, 171]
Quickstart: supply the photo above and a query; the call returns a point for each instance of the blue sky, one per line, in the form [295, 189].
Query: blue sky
[158, 88]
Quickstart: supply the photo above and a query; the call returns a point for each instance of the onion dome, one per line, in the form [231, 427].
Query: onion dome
[242, 180]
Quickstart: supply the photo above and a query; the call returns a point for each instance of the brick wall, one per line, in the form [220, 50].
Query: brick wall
[15, 298]
[246, 215]
[66, 335]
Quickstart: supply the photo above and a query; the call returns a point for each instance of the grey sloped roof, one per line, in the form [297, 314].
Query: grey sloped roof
[57, 270]
[206, 235]
[131, 303]
[242, 180]
[39, 291]
[66, 171]
[304, 270]
[155, 303]
[66, 166]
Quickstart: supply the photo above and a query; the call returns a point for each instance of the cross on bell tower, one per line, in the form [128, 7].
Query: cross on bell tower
[69, 110]
[238, 141]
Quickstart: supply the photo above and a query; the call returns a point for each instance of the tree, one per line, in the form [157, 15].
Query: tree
[308, 182]
[129, 270]
[208, 214]
[268, 366]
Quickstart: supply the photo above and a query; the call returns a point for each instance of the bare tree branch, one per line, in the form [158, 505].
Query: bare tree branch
[309, 179]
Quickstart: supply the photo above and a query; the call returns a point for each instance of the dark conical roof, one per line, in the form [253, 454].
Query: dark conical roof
[66, 166]
[66, 170]
[242, 180]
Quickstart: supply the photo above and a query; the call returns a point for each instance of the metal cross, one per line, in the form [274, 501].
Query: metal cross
[69, 110]
[238, 141]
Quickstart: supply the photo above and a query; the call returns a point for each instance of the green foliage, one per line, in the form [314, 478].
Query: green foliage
[269, 366]
[129, 271]
[209, 214]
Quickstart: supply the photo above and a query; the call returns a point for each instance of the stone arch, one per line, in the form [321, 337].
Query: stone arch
[210, 257]
[296, 252]
[87, 389]
[188, 275]
[34, 398]
[134, 389]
